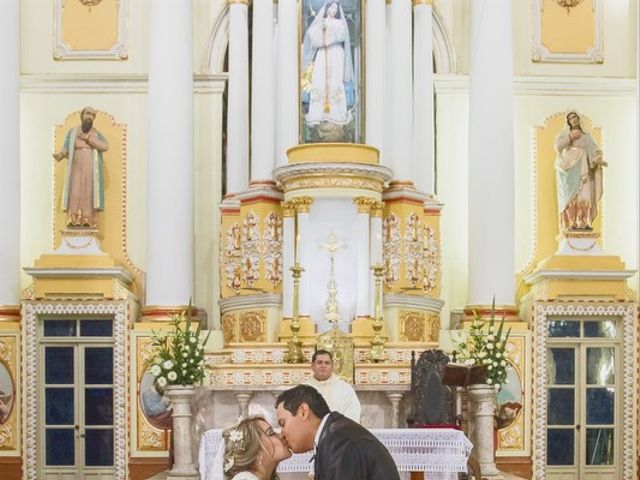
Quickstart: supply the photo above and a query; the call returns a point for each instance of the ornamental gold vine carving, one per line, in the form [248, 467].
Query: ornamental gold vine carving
[273, 248]
[250, 249]
[391, 249]
[233, 257]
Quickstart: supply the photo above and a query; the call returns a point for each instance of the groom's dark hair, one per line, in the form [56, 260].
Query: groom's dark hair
[294, 397]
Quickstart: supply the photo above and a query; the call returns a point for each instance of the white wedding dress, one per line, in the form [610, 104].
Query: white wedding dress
[245, 476]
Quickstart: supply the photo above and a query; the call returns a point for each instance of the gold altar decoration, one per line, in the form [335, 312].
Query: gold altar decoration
[10, 417]
[294, 347]
[340, 344]
[377, 353]
[332, 307]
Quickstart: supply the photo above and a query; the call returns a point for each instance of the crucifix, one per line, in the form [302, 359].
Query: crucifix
[332, 308]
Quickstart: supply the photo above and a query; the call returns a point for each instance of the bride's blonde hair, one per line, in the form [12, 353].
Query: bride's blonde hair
[242, 446]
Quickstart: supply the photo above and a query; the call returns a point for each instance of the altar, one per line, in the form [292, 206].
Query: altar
[440, 453]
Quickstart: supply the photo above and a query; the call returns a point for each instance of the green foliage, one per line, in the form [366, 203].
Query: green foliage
[486, 347]
[179, 358]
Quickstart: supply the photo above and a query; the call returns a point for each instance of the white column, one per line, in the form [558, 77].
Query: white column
[10, 158]
[491, 177]
[170, 159]
[288, 95]
[238, 100]
[288, 248]
[386, 156]
[375, 73]
[401, 90]
[423, 95]
[304, 253]
[363, 299]
[262, 91]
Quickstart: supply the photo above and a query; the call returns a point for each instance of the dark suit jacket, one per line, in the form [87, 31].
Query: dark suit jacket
[348, 451]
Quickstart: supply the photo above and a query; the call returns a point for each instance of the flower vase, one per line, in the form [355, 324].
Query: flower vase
[181, 397]
[482, 410]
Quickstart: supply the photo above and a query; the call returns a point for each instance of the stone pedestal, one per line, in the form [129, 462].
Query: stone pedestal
[482, 409]
[181, 397]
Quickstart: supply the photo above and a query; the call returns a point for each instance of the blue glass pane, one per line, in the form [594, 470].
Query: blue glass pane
[59, 328]
[58, 365]
[96, 328]
[561, 366]
[560, 406]
[560, 446]
[98, 448]
[59, 406]
[600, 406]
[98, 406]
[60, 446]
[600, 446]
[601, 366]
[600, 329]
[98, 365]
[564, 328]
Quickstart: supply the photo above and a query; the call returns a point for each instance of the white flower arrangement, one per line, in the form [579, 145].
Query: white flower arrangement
[181, 346]
[480, 348]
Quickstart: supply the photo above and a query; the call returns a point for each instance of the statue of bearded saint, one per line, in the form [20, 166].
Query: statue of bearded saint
[579, 176]
[83, 194]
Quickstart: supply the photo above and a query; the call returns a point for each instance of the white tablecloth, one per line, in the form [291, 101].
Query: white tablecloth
[439, 452]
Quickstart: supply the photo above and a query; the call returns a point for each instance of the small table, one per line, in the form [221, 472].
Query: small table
[441, 453]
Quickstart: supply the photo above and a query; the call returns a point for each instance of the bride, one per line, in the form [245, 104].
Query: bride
[251, 450]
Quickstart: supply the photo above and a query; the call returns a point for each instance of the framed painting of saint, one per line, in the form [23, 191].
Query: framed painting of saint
[331, 71]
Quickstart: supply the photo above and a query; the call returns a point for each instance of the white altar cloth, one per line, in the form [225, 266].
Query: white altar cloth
[439, 452]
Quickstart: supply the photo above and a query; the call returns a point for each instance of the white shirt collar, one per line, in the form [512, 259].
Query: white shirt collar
[317, 438]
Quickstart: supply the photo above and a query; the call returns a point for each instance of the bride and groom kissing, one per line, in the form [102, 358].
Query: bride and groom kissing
[342, 448]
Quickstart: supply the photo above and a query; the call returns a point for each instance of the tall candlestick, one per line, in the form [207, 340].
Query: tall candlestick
[297, 247]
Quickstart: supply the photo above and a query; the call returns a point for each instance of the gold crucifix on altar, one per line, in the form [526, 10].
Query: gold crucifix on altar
[332, 307]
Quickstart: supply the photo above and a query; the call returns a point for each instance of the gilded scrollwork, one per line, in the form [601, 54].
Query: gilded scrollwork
[151, 439]
[7, 437]
[252, 326]
[233, 257]
[273, 248]
[391, 249]
[229, 328]
[431, 256]
[413, 246]
[251, 246]
[412, 327]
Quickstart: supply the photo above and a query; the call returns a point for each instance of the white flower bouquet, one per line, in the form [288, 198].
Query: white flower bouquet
[179, 352]
[486, 347]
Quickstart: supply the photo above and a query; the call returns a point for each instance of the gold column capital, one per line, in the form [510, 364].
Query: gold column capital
[422, 2]
[288, 209]
[364, 204]
[302, 204]
[376, 209]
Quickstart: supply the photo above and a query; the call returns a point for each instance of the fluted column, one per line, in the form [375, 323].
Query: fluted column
[288, 96]
[262, 91]
[386, 157]
[238, 100]
[363, 253]
[423, 95]
[10, 158]
[395, 398]
[304, 245]
[491, 174]
[375, 72]
[482, 410]
[170, 159]
[183, 468]
[401, 90]
[288, 251]
[376, 247]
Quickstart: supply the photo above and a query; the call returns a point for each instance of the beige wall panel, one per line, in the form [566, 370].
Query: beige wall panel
[37, 36]
[619, 34]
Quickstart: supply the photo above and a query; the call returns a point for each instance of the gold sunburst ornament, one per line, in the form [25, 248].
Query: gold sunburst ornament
[569, 4]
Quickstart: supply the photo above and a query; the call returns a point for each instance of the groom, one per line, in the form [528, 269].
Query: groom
[342, 448]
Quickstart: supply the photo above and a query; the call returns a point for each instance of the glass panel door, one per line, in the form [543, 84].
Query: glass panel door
[78, 404]
[583, 400]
